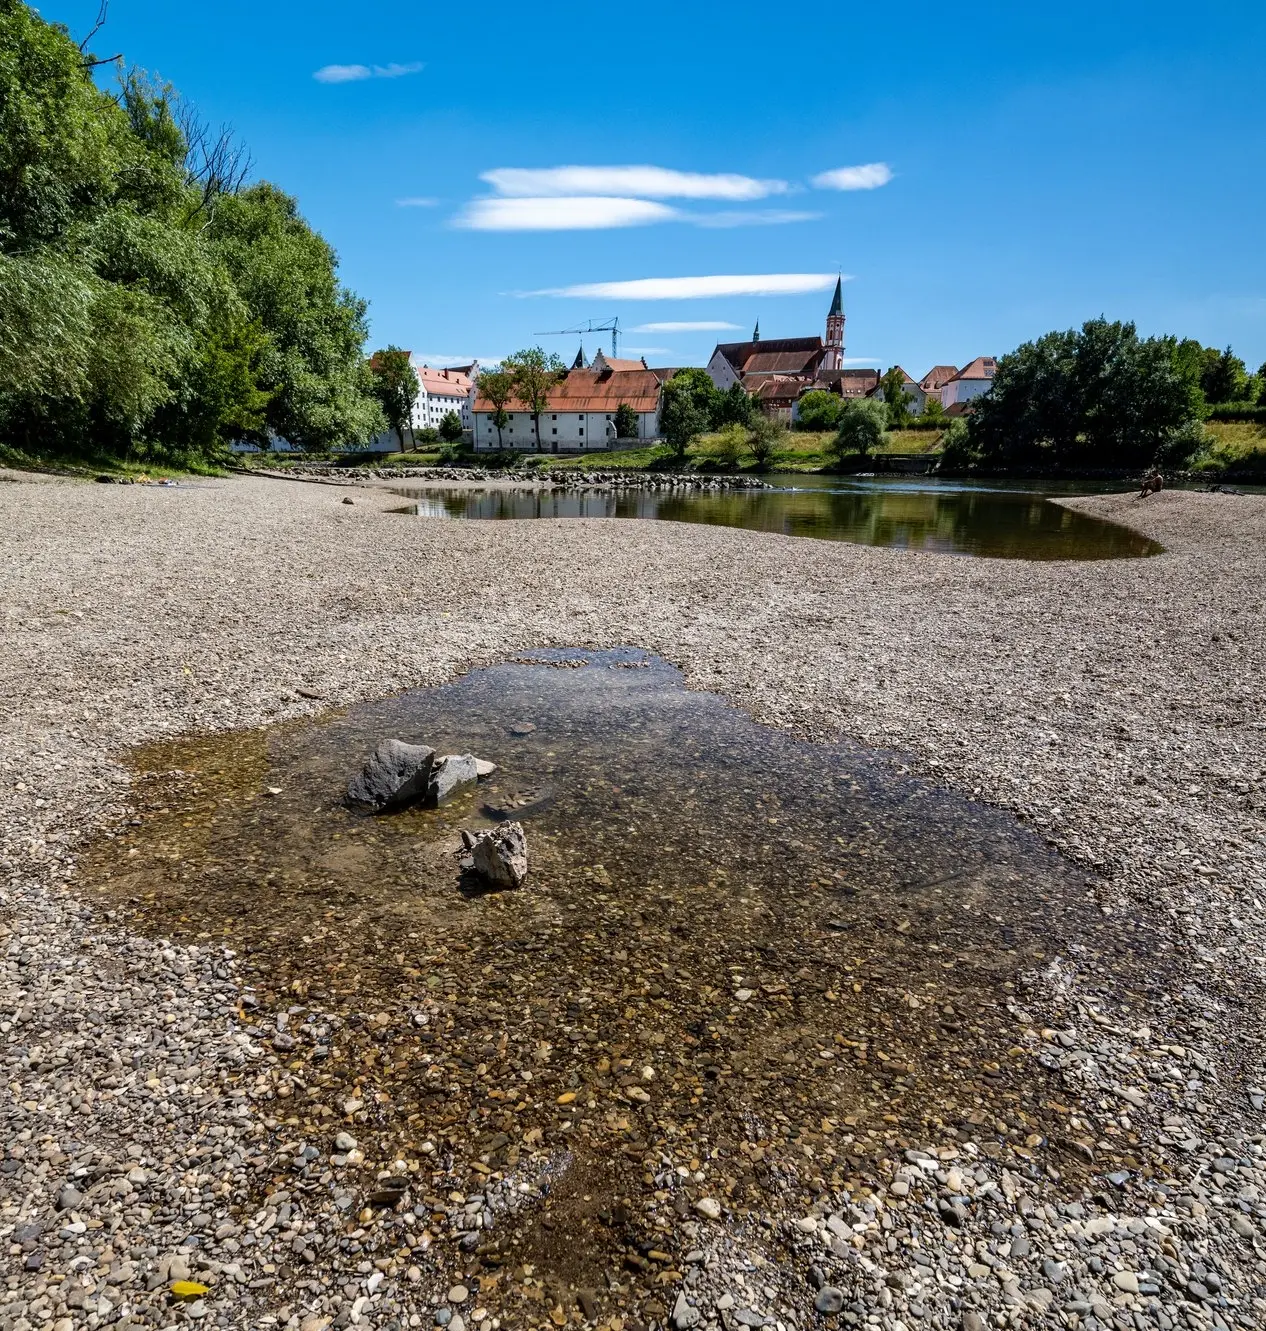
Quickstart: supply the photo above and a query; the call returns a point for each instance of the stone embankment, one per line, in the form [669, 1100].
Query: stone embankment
[146, 1125]
[556, 477]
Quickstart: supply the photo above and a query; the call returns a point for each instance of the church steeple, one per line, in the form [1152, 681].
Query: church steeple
[579, 362]
[833, 357]
[756, 332]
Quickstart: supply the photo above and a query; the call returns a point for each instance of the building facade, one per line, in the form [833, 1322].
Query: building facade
[580, 415]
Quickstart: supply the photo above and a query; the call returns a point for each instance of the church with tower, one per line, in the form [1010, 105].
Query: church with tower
[776, 371]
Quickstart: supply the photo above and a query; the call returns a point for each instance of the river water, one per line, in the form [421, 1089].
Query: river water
[919, 513]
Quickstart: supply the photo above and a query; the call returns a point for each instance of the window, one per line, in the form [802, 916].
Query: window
[581, 430]
[554, 430]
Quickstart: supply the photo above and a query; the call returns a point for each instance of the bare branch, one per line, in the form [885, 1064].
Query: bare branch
[216, 161]
[102, 14]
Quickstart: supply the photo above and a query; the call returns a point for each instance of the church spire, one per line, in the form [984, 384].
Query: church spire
[579, 362]
[756, 332]
[833, 350]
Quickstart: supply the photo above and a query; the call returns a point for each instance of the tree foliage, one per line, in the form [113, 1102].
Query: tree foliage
[687, 407]
[819, 409]
[396, 387]
[1095, 396]
[733, 407]
[496, 387]
[450, 427]
[149, 304]
[625, 422]
[893, 383]
[861, 428]
[534, 374]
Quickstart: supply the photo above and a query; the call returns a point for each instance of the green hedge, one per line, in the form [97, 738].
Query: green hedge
[1237, 411]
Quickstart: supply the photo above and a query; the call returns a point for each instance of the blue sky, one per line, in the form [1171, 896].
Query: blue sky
[1047, 163]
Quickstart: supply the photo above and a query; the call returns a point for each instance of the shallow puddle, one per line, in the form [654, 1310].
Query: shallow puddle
[743, 966]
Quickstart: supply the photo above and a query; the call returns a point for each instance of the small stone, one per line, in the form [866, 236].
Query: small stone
[973, 1321]
[899, 1187]
[1127, 1281]
[1054, 1271]
[69, 1199]
[483, 770]
[684, 1314]
[500, 856]
[344, 1142]
[458, 1294]
[709, 1208]
[829, 1300]
[742, 995]
[522, 728]
[348, 500]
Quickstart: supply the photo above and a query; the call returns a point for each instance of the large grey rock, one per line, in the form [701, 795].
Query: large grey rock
[395, 774]
[500, 856]
[451, 775]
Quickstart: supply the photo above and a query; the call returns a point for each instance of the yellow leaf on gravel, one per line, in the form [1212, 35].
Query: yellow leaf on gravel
[188, 1289]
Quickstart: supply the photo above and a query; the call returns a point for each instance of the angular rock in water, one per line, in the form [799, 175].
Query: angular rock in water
[450, 776]
[484, 769]
[501, 856]
[395, 774]
[521, 803]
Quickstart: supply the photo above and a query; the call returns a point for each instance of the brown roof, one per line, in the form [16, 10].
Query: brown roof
[591, 390]
[775, 355]
[936, 376]
[665, 372]
[849, 383]
[777, 387]
[612, 363]
[982, 367]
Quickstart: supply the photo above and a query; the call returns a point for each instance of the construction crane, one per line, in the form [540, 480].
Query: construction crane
[611, 326]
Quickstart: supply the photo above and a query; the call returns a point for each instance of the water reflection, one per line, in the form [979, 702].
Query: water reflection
[957, 520]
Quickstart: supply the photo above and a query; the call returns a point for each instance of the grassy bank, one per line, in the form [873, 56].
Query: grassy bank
[1237, 446]
[89, 464]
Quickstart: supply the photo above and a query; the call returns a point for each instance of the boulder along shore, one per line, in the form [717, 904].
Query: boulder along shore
[1115, 706]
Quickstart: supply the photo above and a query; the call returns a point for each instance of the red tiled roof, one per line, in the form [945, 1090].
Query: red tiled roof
[937, 376]
[589, 390]
[849, 383]
[772, 355]
[443, 383]
[983, 367]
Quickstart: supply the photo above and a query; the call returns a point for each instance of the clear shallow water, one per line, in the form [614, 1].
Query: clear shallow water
[815, 955]
[941, 516]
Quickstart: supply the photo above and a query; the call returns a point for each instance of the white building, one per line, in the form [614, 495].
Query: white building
[580, 413]
[971, 381]
[439, 392]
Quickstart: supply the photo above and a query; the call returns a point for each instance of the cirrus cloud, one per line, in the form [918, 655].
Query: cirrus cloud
[870, 176]
[358, 73]
[696, 288]
[561, 214]
[639, 182]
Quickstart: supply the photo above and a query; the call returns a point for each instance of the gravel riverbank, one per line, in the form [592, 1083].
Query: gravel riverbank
[1115, 706]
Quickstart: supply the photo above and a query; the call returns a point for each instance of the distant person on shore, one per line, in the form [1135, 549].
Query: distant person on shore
[1153, 483]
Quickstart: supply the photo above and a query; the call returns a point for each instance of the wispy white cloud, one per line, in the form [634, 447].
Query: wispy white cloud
[870, 176]
[637, 182]
[357, 73]
[561, 214]
[687, 326]
[416, 203]
[751, 217]
[696, 288]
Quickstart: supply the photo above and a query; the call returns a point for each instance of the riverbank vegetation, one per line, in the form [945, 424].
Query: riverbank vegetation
[154, 305]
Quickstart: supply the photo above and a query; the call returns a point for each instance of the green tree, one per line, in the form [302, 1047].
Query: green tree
[396, 388]
[957, 454]
[450, 427]
[625, 422]
[496, 388]
[861, 429]
[932, 408]
[767, 435]
[686, 408]
[535, 375]
[1225, 378]
[893, 384]
[1099, 395]
[287, 275]
[733, 407]
[819, 410]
